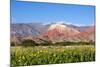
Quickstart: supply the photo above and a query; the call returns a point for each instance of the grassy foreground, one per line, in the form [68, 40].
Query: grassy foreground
[51, 55]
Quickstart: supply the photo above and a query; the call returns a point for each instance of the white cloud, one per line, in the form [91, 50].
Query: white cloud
[65, 22]
[70, 23]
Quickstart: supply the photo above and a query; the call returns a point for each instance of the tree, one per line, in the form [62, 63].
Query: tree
[12, 44]
[28, 42]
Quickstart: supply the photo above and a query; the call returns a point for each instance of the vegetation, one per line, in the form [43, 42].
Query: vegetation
[51, 54]
[28, 52]
[31, 43]
[27, 43]
[12, 44]
[66, 43]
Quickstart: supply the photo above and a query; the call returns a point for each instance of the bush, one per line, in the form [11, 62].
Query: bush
[12, 44]
[66, 43]
[15, 44]
[49, 43]
[27, 43]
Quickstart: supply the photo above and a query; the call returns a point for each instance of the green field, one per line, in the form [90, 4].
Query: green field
[51, 54]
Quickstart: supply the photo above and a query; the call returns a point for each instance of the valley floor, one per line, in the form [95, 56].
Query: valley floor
[38, 55]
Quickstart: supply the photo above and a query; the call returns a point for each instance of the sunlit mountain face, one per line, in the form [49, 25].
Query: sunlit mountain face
[54, 32]
[59, 32]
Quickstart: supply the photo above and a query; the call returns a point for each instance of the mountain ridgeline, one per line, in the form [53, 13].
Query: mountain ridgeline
[57, 32]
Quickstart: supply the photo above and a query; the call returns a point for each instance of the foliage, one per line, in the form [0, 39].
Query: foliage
[51, 55]
[26, 43]
[66, 43]
[12, 44]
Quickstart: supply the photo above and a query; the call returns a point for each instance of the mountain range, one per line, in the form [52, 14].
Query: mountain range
[54, 32]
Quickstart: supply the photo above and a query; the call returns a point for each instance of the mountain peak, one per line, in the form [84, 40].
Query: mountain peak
[59, 32]
[58, 26]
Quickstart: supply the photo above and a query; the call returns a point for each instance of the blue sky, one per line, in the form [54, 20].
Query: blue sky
[27, 12]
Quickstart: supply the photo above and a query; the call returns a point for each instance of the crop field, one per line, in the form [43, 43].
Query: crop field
[21, 56]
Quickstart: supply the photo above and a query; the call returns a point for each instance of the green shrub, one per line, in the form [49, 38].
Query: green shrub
[66, 43]
[12, 44]
[49, 43]
[27, 43]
